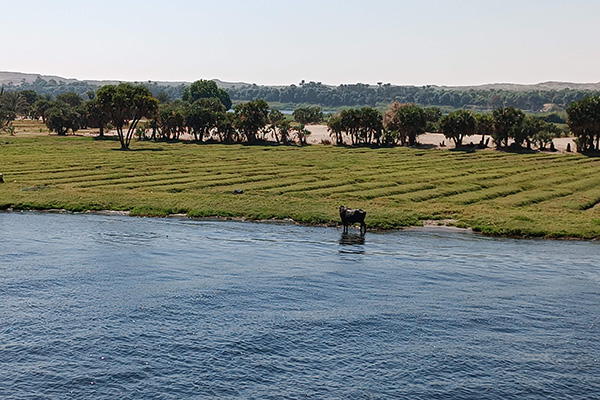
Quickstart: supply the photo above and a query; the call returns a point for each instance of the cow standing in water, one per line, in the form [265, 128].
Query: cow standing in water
[350, 217]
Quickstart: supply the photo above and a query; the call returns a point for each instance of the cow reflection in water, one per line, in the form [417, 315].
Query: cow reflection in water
[351, 239]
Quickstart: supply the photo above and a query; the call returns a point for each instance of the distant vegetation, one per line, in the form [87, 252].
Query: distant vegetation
[346, 95]
[370, 95]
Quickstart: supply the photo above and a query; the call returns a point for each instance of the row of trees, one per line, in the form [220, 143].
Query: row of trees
[51, 88]
[371, 95]
[203, 113]
[208, 119]
[403, 123]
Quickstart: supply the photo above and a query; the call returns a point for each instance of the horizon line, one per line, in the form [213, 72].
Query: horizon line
[306, 81]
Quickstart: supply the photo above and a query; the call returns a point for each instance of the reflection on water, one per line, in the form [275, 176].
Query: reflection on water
[350, 239]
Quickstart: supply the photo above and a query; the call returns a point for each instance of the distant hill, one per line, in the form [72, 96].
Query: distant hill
[526, 88]
[16, 78]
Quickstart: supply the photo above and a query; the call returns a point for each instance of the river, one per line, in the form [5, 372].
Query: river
[114, 307]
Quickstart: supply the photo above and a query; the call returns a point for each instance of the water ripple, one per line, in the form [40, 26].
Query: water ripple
[97, 307]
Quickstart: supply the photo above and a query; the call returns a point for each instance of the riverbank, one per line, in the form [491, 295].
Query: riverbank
[497, 193]
[430, 225]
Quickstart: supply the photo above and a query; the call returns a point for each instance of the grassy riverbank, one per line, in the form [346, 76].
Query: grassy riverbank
[553, 195]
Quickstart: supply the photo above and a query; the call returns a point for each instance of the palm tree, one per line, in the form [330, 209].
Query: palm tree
[13, 104]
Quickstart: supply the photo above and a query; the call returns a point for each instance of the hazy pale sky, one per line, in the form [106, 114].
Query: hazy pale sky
[452, 42]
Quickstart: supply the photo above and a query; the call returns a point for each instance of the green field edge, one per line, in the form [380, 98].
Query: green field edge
[494, 193]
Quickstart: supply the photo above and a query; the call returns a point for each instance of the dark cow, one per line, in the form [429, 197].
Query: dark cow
[350, 217]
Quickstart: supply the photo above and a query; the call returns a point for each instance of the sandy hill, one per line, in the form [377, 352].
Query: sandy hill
[18, 77]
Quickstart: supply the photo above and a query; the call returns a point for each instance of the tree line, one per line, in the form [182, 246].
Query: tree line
[345, 95]
[204, 112]
[359, 94]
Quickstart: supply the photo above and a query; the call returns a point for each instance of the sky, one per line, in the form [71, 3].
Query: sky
[415, 42]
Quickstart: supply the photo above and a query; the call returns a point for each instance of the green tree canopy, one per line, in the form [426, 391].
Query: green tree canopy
[71, 98]
[201, 116]
[61, 117]
[30, 96]
[13, 104]
[507, 124]
[204, 89]
[411, 121]
[96, 116]
[38, 109]
[251, 118]
[457, 125]
[336, 128]
[171, 120]
[127, 104]
[583, 118]
[308, 115]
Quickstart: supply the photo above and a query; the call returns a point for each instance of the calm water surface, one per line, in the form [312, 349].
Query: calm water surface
[97, 307]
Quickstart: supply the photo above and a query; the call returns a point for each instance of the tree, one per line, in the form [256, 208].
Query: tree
[530, 128]
[391, 123]
[163, 97]
[62, 117]
[544, 136]
[13, 104]
[276, 118]
[96, 116]
[171, 120]
[201, 116]
[411, 122]
[252, 117]
[38, 109]
[71, 98]
[432, 115]
[308, 115]
[284, 131]
[204, 89]
[336, 128]
[583, 118]
[126, 104]
[507, 123]
[485, 126]
[225, 127]
[351, 123]
[457, 125]
[370, 125]
[301, 134]
[30, 96]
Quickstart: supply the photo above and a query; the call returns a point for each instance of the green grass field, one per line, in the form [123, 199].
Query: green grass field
[552, 195]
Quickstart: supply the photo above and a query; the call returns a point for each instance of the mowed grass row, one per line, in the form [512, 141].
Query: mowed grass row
[551, 195]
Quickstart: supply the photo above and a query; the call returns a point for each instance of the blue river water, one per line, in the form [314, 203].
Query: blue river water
[112, 307]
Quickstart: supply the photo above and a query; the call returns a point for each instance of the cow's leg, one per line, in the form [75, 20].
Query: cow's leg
[363, 227]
